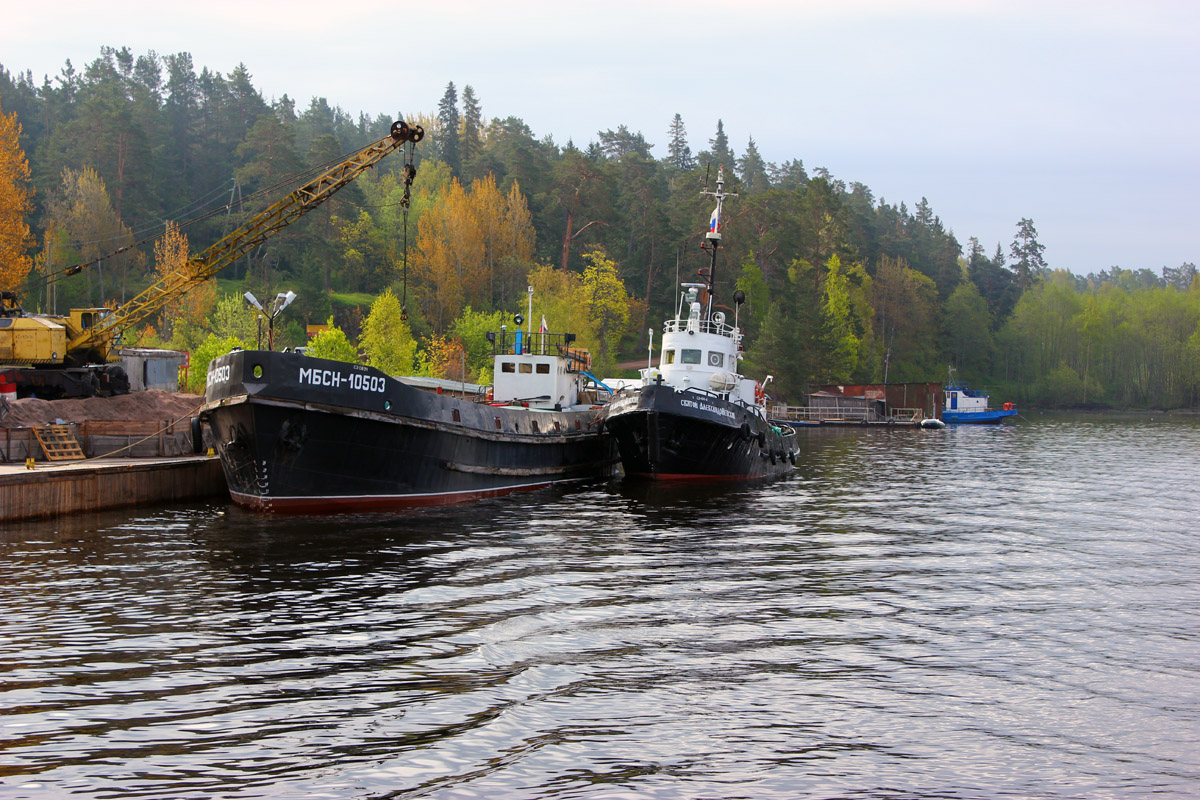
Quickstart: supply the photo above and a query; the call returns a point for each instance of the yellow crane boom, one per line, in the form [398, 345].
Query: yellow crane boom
[96, 339]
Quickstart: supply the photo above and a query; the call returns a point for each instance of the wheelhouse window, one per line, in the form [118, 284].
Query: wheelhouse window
[669, 357]
[689, 356]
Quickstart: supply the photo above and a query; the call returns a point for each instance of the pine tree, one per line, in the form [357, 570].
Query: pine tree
[721, 154]
[472, 129]
[975, 256]
[621, 142]
[753, 170]
[1027, 254]
[448, 125]
[679, 154]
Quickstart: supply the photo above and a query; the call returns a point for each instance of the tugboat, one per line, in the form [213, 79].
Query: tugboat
[302, 434]
[964, 405]
[695, 417]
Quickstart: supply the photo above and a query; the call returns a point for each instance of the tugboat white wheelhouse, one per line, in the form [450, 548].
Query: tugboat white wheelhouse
[695, 417]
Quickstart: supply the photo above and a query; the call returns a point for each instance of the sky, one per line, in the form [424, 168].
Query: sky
[1080, 116]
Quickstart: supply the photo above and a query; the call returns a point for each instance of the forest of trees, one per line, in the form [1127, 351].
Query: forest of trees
[842, 287]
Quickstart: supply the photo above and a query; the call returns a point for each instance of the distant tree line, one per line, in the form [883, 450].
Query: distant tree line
[842, 287]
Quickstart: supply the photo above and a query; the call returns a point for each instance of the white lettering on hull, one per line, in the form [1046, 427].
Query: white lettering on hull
[702, 406]
[216, 375]
[336, 380]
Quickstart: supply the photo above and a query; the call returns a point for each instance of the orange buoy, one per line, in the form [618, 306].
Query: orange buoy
[1008, 406]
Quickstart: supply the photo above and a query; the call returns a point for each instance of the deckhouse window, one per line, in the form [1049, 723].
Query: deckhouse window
[543, 369]
[508, 366]
[527, 369]
[669, 357]
[716, 359]
[689, 356]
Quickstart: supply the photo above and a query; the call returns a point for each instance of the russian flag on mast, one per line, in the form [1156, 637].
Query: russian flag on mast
[543, 328]
[714, 223]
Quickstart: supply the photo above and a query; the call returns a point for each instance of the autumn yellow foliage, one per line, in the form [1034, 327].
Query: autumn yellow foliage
[444, 357]
[474, 248]
[82, 226]
[193, 308]
[15, 203]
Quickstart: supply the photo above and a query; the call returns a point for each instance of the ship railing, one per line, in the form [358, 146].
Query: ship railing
[702, 326]
[959, 386]
[844, 414]
[508, 343]
[822, 413]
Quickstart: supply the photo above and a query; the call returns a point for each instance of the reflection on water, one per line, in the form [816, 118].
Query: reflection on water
[970, 613]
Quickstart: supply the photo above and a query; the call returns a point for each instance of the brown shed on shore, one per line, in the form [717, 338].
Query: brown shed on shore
[880, 400]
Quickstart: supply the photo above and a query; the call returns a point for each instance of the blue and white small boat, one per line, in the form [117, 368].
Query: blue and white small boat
[966, 405]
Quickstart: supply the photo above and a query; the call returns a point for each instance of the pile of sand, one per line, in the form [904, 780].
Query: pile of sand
[148, 405]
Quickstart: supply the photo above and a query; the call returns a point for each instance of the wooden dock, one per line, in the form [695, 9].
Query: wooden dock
[64, 487]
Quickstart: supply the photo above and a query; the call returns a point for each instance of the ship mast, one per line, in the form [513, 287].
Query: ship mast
[712, 239]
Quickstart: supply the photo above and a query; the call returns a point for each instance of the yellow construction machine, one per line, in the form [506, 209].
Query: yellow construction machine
[76, 355]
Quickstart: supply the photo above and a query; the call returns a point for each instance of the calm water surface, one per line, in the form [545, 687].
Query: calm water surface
[968, 613]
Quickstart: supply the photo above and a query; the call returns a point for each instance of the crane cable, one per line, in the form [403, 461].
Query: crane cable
[410, 173]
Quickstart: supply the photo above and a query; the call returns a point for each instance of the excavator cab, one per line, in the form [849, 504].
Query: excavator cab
[10, 304]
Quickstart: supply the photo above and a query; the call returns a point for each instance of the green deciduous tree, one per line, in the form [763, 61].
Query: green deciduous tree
[471, 329]
[334, 344]
[201, 356]
[905, 303]
[966, 324]
[386, 340]
[842, 343]
[233, 317]
[608, 305]
[561, 297]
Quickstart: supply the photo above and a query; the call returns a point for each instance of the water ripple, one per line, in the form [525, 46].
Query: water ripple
[969, 613]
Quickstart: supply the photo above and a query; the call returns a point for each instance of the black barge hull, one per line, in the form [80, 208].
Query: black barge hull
[664, 434]
[309, 435]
